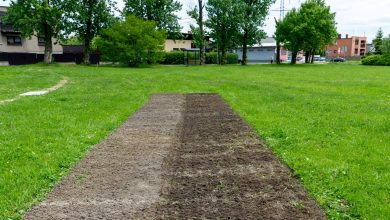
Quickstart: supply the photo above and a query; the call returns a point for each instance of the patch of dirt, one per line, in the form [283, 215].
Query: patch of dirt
[120, 178]
[180, 157]
[221, 170]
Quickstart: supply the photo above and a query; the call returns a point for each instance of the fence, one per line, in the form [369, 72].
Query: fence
[32, 58]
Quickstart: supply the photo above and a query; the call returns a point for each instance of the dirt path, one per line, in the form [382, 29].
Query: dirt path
[180, 157]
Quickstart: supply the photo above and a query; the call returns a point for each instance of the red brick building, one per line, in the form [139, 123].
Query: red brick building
[348, 47]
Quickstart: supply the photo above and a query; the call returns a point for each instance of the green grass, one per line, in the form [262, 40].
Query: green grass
[329, 123]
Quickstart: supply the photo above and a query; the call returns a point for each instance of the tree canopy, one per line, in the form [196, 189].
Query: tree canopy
[309, 28]
[160, 11]
[378, 41]
[132, 42]
[225, 17]
[254, 15]
[40, 18]
[86, 18]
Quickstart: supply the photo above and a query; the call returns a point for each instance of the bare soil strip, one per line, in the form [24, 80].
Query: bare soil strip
[120, 178]
[180, 157]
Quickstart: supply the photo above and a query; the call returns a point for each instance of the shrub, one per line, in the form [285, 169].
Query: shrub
[132, 42]
[211, 58]
[377, 60]
[174, 58]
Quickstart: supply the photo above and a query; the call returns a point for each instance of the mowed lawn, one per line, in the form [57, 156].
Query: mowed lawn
[329, 123]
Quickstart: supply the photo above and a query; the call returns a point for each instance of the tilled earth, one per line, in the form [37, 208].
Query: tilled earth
[180, 157]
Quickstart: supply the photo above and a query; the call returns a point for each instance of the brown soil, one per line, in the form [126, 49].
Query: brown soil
[180, 157]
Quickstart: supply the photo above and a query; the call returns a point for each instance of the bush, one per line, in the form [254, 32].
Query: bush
[211, 58]
[377, 60]
[174, 58]
[133, 41]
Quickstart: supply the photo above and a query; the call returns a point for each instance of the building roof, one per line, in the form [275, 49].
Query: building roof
[267, 42]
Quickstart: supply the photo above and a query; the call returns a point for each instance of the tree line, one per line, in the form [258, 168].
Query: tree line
[137, 32]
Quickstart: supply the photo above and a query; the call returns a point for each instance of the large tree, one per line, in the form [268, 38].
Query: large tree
[198, 32]
[318, 27]
[225, 17]
[289, 33]
[378, 41]
[42, 18]
[132, 42]
[254, 15]
[86, 18]
[160, 11]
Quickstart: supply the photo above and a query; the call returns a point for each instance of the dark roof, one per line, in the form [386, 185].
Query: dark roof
[73, 48]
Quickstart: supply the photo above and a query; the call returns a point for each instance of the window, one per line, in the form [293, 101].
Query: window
[269, 49]
[335, 51]
[344, 49]
[41, 41]
[251, 50]
[14, 40]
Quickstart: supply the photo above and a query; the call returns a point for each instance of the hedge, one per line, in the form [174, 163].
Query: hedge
[177, 58]
[377, 60]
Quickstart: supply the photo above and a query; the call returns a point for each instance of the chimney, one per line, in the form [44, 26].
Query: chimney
[339, 36]
[346, 36]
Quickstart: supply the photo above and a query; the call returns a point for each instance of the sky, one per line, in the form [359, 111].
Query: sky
[354, 17]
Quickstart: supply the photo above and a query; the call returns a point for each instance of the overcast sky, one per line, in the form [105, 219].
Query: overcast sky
[359, 18]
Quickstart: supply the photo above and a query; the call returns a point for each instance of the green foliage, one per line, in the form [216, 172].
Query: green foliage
[37, 17]
[74, 40]
[133, 42]
[309, 28]
[174, 58]
[212, 58]
[385, 48]
[254, 15]
[86, 18]
[163, 12]
[377, 60]
[378, 41]
[224, 21]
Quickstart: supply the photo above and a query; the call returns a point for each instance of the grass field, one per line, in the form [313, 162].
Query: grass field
[329, 123]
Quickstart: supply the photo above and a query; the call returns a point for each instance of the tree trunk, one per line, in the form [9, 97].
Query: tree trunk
[294, 58]
[312, 56]
[200, 21]
[245, 49]
[278, 50]
[88, 33]
[223, 56]
[307, 56]
[48, 57]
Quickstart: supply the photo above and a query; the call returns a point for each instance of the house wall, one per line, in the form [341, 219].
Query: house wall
[258, 54]
[348, 47]
[28, 46]
[170, 45]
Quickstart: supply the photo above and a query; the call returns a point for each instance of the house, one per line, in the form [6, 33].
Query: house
[11, 40]
[263, 52]
[348, 47]
[186, 42]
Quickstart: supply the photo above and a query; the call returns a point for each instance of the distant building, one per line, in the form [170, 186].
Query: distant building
[348, 47]
[11, 40]
[263, 52]
[185, 42]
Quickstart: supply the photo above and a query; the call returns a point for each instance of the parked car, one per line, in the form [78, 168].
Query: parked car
[338, 60]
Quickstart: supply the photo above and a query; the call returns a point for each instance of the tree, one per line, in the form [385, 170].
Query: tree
[224, 19]
[289, 32]
[378, 41]
[385, 47]
[254, 14]
[133, 42]
[198, 32]
[160, 11]
[86, 18]
[319, 27]
[40, 18]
